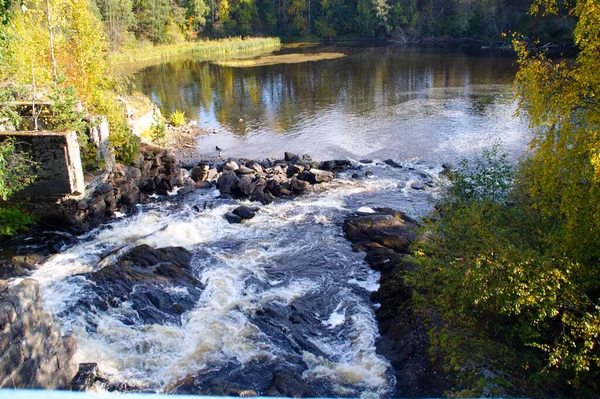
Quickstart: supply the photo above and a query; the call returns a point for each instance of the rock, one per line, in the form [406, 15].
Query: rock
[243, 170]
[366, 161]
[335, 165]
[290, 157]
[287, 385]
[245, 212]
[386, 227]
[130, 194]
[294, 170]
[315, 176]
[213, 174]
[33, 354]
[139, 277]
[3, 285]
[85, 378]
[392, 163]
[163, 186]
[203, 184]
[147, 186]
[417, 186]
[200, 173]
[245, 185]
[370, 174]
[299, 185]
[255, 166]
[228, 182]
[232, 218]
[231, 165]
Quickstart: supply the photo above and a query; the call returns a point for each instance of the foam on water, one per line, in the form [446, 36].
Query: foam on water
[291, 255]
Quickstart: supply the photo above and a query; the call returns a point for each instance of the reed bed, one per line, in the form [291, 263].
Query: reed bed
[204, 48]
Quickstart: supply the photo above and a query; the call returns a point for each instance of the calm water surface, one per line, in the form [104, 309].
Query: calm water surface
[377, 102]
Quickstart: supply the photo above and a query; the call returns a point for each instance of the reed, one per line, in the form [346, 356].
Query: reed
[204, 48]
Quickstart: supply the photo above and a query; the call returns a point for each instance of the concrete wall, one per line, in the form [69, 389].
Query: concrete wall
[33, 354]
[60, 171]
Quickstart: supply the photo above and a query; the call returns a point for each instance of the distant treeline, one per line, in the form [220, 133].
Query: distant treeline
[171, 21]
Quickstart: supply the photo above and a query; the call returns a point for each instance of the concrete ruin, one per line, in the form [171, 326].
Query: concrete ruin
[59, 172]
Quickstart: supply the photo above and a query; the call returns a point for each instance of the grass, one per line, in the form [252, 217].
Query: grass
[280, 59]
[204, 48]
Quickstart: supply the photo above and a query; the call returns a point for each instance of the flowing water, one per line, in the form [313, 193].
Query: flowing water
[284, 290]
[433, 105]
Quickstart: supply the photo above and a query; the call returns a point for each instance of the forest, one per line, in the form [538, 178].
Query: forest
[131, 22]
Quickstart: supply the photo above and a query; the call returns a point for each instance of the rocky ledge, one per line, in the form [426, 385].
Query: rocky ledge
[33, 354]
[385, 235]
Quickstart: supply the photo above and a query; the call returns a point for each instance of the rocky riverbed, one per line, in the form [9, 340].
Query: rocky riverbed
[140, 285]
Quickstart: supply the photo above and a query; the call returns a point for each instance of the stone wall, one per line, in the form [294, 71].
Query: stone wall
[60, 171]
[33, 354]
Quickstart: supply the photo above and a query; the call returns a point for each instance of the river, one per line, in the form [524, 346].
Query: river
[284, 292]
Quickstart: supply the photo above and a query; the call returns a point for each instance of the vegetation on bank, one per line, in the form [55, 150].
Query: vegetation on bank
[511, 266]
[205, 48]
[280, 59]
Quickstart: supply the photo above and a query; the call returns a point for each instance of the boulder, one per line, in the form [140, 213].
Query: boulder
[245, 212]
[299, 185]
[232, 218]
[392, 229]
[231, 165]
[243, 170]
[245, 185]
[290, 157]
[227, 182]
[140, 277]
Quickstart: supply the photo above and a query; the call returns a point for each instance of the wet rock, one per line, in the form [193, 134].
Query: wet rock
[287, 385]
[245, 212]
[255, 166]
[228, 182]
[369, 174]
[3, 285]
[392, 229]
[203, 185]
[232, 218]
[392, 163]
[315, 176]
[417, 186]
[299, 185]
[366, 161]
[33, 353]
[335, 165]
[200, 173]
[245, 185]
[293, 170]
[386, 235]
[140, 277]
[86, 377]
[291, 157]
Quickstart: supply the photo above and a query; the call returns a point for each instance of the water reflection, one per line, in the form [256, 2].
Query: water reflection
[369, 95]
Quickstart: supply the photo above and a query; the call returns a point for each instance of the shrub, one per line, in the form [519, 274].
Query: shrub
[177, 118]
[158, 130]
[13, 219]
[17, 170]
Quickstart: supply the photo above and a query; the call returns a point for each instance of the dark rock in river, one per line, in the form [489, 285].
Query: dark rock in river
[288, 385]
[392, 229]
[386, 235]
[33, 353]
[232, 218]
[245, 212]
[141, 276]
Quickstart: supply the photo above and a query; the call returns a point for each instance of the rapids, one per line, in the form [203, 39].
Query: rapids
[282, 291]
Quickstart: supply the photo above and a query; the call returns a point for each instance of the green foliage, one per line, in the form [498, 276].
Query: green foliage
[158, 132]
[517, 268]
[64, 113]
[17, 170]
[13, 219]
[8, 111]
[177, 118]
